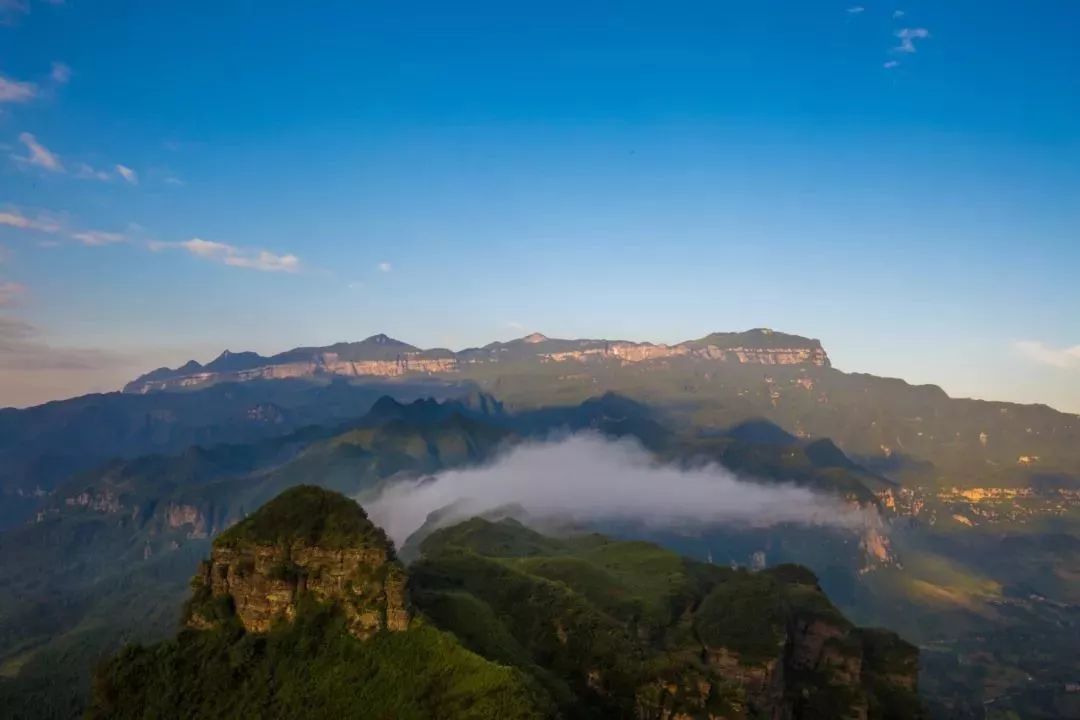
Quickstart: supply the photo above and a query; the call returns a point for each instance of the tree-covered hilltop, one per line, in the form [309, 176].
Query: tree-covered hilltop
[306, 515]
[300, 612]
[510, 624]
[627, 629]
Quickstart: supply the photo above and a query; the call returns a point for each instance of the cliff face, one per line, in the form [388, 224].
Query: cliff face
[307, 543]
[822, 667]
[264, 583]
[380, 356]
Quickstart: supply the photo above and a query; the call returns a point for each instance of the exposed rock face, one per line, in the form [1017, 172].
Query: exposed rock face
[106, 501]
[265, 583]
[381, 356]
[178, 516]
[306, 544]
[829, 654]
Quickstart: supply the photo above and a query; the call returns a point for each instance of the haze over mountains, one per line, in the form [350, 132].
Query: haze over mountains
[110, 500]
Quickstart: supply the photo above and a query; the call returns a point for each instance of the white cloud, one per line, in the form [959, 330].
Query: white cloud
[10, 292]
[97, 238]
[908, 36]
[14, 91]
[1043, 354]
[889, 65]
[385, 267]
[129, 175]
[16, 219]
[39, 154]
[855, 10]
[587, 478]
[85, 172]
[898, 14]
[234, 256]
[60, 74]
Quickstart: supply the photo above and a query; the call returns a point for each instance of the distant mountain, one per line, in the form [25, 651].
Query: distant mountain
[384, 356]
[41, 447]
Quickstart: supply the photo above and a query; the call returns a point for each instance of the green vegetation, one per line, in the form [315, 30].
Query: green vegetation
[311, 668]
[614, 628]
[308, 515]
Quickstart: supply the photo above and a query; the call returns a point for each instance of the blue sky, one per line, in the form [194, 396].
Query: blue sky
[899, 179]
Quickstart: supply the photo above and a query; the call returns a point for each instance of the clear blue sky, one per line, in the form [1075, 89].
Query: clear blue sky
[899, 179]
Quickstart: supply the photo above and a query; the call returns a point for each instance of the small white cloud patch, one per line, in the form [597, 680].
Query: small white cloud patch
[908, 36]
[130, 176]
[16, 219]
[38, 154]
[14, 91]
[97, 238]
[234, 256]
[1043, 354]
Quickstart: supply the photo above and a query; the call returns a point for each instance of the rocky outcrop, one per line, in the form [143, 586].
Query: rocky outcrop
[265, 583]
[381, 356]
[182, 516]
[306, 544]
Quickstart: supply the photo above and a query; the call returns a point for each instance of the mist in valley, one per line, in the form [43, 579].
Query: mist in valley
[587, 478]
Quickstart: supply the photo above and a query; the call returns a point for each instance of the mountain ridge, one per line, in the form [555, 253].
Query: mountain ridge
[383, 356]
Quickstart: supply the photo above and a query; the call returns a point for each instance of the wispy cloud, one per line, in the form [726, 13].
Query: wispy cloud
[60, 74]
[97, 238]
[15, 91]
[1043, 354]
[897, 14]
[86, 172]
[129, 175]
[17, 219]
[10, 292]
[385, 267]
[908, 36]
[856, 9]
[234, 256]
[38, 154]
[890, 64]
[21, 348]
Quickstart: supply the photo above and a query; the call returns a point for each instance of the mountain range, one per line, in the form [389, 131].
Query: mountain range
[110, 500]
[383, 356]
[303, 610]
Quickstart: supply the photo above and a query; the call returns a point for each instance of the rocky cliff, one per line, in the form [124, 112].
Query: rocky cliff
[382, 356]
[307, 543]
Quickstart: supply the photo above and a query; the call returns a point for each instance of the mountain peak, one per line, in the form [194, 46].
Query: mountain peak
[535, 338]
[308, 515]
